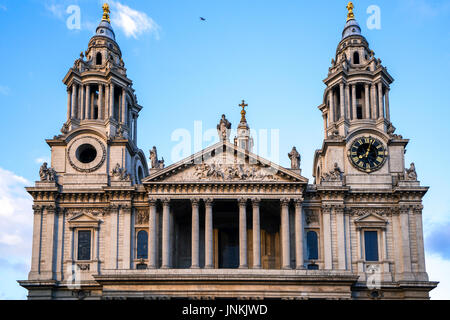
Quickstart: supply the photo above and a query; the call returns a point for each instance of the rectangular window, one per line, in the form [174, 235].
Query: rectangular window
[84, 245]
[371, 245]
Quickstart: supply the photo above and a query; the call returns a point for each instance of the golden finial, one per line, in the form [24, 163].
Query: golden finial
[243, 105]
[106, 12]
[350, 8]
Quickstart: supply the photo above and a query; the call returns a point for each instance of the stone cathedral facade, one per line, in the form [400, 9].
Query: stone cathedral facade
[224, 222]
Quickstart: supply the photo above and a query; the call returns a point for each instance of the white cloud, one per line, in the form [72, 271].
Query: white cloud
[132, 22]
[16, 230]
[438, 269]
[4, 90]
[56, 9]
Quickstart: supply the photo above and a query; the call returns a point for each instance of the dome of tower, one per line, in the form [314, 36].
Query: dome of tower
[105, 29]
[351, 28]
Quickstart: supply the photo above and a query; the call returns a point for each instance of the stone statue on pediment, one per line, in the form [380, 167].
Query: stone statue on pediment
[295, 158]
[223, 128]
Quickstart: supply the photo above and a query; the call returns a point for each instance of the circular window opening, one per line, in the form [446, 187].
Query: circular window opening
[86, 153]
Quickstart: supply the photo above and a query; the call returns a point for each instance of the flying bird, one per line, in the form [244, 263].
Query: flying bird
[202, 19]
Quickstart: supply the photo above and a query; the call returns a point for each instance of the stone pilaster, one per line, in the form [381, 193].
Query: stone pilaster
[37, 243]
[113, 236]
[49, 245]
[299, 262]
[340, 236]
[126, 230]
[326, 230]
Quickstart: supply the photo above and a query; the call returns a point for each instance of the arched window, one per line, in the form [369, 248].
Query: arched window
[98, 59]
[355, 58]
[312, 245]
[142, 245]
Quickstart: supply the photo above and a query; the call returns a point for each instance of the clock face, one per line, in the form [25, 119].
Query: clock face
[367, 154]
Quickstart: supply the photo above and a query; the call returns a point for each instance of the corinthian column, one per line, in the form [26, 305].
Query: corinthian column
[111, 101]
[166, 235]
[299, 264]
[69, 103]
[386, 104]
[195, 235]
[243, 233]
[87, 112]
[152, 234]
[342, 100]
[367, 103]
[331, 97]
[380, 101]
[73, 115]
[256, 234]
[209, 263]
[285, 242]
[355, 112]
[100, 101]
[124, 106]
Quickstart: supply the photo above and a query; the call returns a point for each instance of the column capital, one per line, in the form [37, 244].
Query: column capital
[285, 202]
[242, 202]
[152, 201]
[298, 201]
[195, 202]
[209, 202]
[256, 201]
[165, 201]
[50, 208]
[37, 208]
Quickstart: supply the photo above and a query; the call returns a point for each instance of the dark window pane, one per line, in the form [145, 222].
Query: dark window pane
[359, 113]
[313, 267]
[371, 245]
[142, 245]
[84, 245]
[311, 242]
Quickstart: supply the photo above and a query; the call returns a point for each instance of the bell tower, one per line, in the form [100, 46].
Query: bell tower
[359, 137]
[99, 138]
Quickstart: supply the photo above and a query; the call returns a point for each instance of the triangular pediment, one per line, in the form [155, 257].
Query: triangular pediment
[371, 220]
[224, 162]
[83, 220]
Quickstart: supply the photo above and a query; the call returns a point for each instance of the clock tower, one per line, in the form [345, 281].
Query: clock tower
[360, 148]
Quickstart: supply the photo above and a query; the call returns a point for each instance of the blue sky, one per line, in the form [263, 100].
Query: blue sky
[273, 54]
